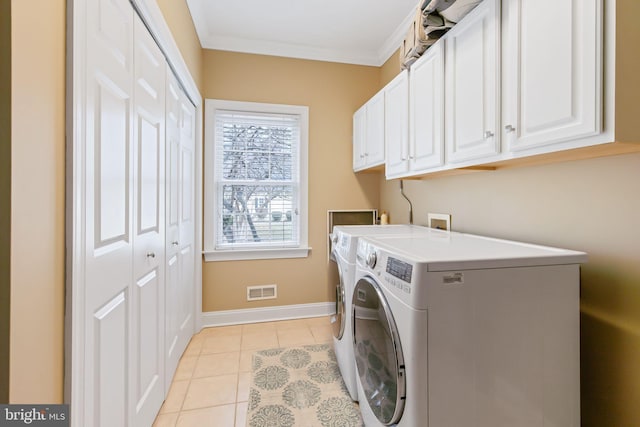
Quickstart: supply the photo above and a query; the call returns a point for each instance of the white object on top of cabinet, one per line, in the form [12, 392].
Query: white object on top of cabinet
[425, 146]
[368, 134]
[397, 124]
[472, 73]
[552, 78]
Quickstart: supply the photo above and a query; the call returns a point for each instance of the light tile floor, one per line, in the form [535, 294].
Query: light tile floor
[211, 385]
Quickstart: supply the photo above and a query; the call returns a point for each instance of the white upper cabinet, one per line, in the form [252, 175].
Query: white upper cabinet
[422, 147]
[552, 62]
[359, 131]
[368, 134]
[472, 85]
[426, 110]
[525, 82]
[374, 153]
[397, 125]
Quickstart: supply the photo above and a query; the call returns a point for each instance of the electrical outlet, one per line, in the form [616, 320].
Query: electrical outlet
[439, 221]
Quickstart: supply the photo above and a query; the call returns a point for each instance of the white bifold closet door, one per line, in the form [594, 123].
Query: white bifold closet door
[108, 211]
[123, 241]
[148, 288]
[180, 256]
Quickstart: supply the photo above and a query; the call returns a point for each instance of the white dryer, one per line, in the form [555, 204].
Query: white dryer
[457, 330]
[344, 243]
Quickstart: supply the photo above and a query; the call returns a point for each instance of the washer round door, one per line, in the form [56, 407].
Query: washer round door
[378, 352]
[338, 323]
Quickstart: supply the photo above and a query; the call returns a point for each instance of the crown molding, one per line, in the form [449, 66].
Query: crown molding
[375, 58]
[291, 50]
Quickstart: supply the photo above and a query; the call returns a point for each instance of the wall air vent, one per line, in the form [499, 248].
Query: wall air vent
[255, 293]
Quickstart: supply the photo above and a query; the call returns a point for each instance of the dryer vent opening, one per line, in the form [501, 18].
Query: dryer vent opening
[255, 293]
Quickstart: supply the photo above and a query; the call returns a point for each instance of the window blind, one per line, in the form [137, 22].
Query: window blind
[257, 179]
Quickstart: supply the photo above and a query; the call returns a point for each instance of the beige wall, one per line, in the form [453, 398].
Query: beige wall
[5, 195]
[627, 69]
[390, 68]
[178, 18]
[37, 200]
[333, 92]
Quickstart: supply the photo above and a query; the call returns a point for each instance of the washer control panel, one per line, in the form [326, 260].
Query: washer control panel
[399, 269]
[397, 274]
[394, 273]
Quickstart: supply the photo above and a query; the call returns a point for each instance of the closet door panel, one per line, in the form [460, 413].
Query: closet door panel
[148, 262]
[172, 246]
[112, 25]
[112, 164]
[148, 373]
[106, 212]
[110, 326]
[180, 291]
[186, 221]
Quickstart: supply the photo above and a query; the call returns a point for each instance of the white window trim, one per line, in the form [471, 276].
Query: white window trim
[210, 253]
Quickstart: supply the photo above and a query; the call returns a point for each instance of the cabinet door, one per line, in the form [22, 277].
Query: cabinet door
[472, 76]
[396, 115]
[375, 139]
[552, 71]
[359, 130]
[426, 107]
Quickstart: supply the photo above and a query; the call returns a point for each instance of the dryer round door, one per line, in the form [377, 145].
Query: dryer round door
[378, 352]
[340, 319]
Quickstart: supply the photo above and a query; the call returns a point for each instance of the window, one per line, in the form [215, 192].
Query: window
[255, 180]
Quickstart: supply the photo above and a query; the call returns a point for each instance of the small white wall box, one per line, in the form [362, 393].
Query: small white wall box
[439, 221]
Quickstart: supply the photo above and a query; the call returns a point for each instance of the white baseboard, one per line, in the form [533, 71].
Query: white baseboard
[267, 314]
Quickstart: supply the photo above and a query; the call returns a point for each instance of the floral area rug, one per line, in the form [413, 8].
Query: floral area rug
[299, 387]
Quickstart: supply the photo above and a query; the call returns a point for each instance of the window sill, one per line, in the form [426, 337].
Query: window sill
[255, 254]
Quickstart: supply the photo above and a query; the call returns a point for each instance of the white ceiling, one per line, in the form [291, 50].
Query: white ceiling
[363, 32]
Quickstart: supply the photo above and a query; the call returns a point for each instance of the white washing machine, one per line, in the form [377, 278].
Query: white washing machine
[344, 242]
[456, 330]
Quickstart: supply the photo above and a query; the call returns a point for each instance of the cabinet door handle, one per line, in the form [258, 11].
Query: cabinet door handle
[366, 154]
[411, 157]
[151, 254]
[174, 243]
[509, 128]
[488, 134]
